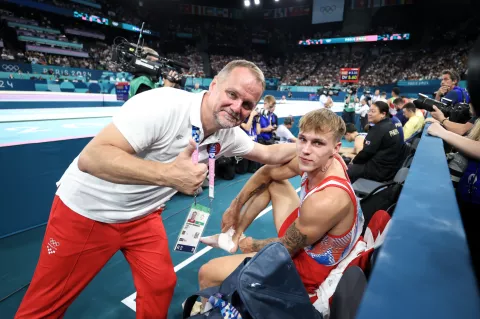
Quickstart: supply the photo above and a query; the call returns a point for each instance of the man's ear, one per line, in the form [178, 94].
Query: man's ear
[213, 83]
[337, 148]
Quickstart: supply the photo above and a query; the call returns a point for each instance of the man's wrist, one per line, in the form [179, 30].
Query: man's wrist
[162, 176]
[236, 205]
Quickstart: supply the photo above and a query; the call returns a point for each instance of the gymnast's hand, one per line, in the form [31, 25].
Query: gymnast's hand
[230, 218]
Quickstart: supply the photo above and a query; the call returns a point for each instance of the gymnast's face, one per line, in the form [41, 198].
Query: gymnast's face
[314, 149]
[233, 97]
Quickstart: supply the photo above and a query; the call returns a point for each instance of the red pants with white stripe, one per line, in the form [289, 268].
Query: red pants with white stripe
[76, 248]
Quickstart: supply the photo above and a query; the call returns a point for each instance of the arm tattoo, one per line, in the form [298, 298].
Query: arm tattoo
[293, 240]
[259, 244]
[256, 191]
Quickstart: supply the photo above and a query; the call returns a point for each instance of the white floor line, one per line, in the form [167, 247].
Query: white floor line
[130, 300]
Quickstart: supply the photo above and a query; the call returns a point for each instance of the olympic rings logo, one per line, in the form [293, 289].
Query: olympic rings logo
[10, 67]
[53, 242]
[328, 9]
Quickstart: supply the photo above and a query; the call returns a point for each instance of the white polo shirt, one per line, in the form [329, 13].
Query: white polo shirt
[158, 125]
[323, 100]
[284, 134]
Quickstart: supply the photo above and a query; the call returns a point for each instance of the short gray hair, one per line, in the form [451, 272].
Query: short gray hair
[243, 64]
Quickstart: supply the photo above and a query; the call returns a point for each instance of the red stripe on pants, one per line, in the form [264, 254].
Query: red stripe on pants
[76, 248]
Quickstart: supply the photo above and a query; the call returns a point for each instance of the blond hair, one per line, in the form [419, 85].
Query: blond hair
[475, 131]
[242, 64]
[268, 99]
[323, 121]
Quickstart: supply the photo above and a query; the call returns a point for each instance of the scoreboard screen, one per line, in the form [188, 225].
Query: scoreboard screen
[349, 75]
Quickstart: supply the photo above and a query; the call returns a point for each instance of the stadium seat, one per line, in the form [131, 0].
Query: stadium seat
[349, 293]
[363, 187]
[408, 161]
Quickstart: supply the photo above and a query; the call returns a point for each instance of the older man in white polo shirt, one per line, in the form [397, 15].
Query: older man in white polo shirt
[110, 197]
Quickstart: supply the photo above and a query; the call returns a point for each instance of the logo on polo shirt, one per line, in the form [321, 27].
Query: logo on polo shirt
[213, 149]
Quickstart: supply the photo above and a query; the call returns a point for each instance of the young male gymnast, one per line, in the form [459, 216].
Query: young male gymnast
[319, 228]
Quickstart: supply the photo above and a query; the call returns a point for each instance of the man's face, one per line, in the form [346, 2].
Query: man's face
[234, 97]
[349, 137]
[314, 150]
[377, 92]
[399, 106]
[270, 106]
[447, 81]
[408, 113]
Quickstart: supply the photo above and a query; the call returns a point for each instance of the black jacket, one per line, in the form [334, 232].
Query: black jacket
[382, 151]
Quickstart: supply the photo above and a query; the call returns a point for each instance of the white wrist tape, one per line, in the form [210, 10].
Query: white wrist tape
[222, 240]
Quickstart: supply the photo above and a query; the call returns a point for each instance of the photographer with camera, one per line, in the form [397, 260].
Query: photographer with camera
[351, 101]
[457, 128]
[268, 121]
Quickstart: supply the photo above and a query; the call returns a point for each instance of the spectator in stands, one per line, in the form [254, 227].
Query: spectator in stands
[352, 135]
[383, 96]
[382, 151]
[457, 128]
[450, 90]
[196, 88]
[399, 103]
[395, 95]
[251, 125]
[398, 125]
[268, 121]
[283, 131]
[414, 121]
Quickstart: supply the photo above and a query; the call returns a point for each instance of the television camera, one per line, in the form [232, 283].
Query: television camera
[138, 60]
[328, 91]
[459, 113]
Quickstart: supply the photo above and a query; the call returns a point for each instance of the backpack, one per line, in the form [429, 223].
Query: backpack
[468, 188]
[266, 286]
[225, 168]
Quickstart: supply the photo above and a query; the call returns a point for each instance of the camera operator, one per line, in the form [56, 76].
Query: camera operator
[325, 99]
[351, 101]
[268, 121]
[143, 82]
[450, 90]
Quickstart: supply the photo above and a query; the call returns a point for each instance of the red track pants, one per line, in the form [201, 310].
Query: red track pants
[76, 248]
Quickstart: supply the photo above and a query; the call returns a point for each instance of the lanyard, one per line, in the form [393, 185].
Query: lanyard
[212, 149]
